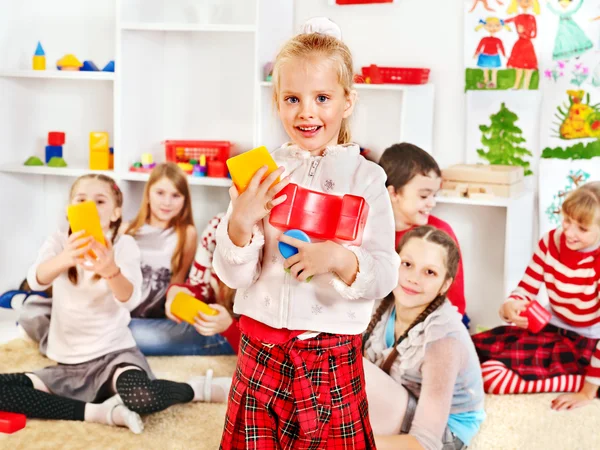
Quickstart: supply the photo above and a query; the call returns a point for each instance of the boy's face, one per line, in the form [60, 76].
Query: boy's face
[413, 203]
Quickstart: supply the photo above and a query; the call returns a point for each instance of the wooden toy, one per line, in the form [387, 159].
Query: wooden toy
[39, 58]
[69, 62]
[84, 216]
[243, 166]
[538, 316]
[482, 181]
[11, 422]
[186, 308]
[320, 215]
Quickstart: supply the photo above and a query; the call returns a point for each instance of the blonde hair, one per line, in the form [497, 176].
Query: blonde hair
[483, 23]
[114, 226]
[307, 45]
[514, 7]
[583, 204]
[173, 173]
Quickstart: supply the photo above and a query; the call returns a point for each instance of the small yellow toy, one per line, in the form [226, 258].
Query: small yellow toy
[243, 167]
[186, 308]
[84, 216]
[69, 62]
[100, 155]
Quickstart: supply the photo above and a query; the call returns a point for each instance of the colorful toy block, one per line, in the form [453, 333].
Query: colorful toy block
[11, 422]
[33, 161]
[99, 161]
[243, 167]
[84, 217]
[57, 161]
[53, 151]
[111, 163]
[39, 58]
[100, 154]
[56, 138]
[99, 141]
[110, 67]
[320, 215]
[89, 66]
[288, 250]
[216, 169]
[69, 62]
[538, 317]
[186, 308]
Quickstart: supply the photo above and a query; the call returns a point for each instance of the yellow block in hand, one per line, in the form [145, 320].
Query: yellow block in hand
[243, 167]
[84, 216]
[186, 307]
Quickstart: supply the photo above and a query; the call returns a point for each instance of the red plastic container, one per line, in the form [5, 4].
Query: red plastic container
[320, 215]
[11, 422]
[537, 316]
[56, 138]
[183, 151]
[395, 75]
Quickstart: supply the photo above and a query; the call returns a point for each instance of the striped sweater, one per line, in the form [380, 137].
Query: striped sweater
[572, 280]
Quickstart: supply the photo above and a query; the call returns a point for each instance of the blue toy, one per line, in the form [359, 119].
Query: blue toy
[89, 66]
[110, 67]
[287, 250]
[53, 151]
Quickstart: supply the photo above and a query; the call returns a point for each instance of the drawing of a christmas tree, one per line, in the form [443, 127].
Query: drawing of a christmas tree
[574, 180]
[503, 138]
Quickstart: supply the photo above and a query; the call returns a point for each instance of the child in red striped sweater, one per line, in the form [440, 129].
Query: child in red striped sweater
[565, 355]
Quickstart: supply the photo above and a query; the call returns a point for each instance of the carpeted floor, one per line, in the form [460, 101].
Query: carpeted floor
[514, 422]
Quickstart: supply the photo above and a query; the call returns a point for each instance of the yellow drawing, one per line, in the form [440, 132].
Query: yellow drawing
[581, 120]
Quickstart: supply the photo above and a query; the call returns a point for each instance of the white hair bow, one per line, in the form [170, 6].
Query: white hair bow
[322, 25]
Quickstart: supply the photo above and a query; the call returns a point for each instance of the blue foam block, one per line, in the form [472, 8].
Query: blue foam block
[52, 151]
[287, 250]
[89, 66]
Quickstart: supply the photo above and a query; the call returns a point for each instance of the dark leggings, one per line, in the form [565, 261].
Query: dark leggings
[138, 392]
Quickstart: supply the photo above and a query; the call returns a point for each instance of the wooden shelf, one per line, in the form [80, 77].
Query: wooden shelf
[58, 75]
[232, 28]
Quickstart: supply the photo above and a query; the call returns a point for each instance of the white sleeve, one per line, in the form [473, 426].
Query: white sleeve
[128, 258]
[237, 267]
[51, 248]
[441, 365]
[378, 261]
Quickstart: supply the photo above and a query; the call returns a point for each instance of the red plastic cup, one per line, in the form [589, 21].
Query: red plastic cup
[11, 422]
[56, 138]
[537, 316]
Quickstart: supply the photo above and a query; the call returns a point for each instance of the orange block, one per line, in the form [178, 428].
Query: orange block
[243, 167]
[186, 307]
[100, 160]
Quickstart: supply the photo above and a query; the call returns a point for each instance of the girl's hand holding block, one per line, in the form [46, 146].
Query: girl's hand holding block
[84, 217]
[186, 308]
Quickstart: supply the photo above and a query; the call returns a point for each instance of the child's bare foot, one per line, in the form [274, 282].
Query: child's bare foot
[209, 389]
[114, 413]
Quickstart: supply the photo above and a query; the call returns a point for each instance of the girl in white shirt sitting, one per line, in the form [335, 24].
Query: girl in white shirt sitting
[89, 335]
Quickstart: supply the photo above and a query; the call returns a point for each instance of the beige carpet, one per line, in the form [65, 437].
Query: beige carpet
[514, 422]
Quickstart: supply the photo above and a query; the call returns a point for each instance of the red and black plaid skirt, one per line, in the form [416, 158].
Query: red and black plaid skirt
[552, 352]
[304, 394]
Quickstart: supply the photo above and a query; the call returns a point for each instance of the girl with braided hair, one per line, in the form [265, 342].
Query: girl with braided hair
[422, 373]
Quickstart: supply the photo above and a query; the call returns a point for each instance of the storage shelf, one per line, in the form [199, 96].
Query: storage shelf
[234, 28]
[194, 181]
[502, 202]
[370, 87]
[58, 74]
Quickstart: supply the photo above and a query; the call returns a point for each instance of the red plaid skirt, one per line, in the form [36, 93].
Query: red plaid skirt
[304, 394]
[551, 352]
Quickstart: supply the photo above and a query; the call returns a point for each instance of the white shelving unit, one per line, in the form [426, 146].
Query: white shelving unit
[497, 240]
[185, 69]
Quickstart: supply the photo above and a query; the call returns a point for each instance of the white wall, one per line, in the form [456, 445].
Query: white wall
[410, 33]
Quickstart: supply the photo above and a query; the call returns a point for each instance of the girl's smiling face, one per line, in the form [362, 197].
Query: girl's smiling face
[166, 202]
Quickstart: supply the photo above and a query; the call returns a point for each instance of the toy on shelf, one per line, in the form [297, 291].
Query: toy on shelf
[109, 67]
[54, 149]
[56, 138]
[200, 168]
[89, 66]
[268, 71]
[243, 166]
[11, 422]
[69, 62]
[100, 151]
[216, 169]
[145, 166]
[33, 161]
[57, 161]
[538, 317]
[482, 181]
[374, 74]
[84, 217]
[184, 152]
[320, 215]
[186, 308]
[39, 58]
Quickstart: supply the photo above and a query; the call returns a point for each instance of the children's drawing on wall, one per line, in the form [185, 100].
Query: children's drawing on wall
[504, 141]
[570, 41]
[573, 181]
[488, 52]
[522, 57]
[503, 128]
[485, 5]
[577, 118]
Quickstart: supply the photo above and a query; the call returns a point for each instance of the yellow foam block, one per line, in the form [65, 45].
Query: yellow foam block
[99, 141]
[84, 216]
[147, 159]
[243, 167]
[39, 62]
[186, 307]
[100, 160]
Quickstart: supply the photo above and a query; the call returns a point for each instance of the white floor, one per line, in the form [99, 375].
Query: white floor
[8, 327]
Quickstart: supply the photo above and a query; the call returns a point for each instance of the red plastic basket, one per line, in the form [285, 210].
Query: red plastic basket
[184, 151]
[395, 75]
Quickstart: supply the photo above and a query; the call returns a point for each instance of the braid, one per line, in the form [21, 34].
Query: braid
[435, 304]
[385, 304]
